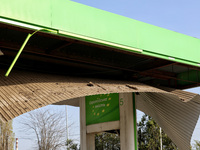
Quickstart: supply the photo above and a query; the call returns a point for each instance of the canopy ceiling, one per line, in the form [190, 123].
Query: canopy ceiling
[91, 42]
[56, 54]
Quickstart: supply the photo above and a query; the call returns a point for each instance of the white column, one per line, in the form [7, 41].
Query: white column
[127, 140]
[87, 141]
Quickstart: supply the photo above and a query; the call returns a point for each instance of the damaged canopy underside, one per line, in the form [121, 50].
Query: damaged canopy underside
[175, 111]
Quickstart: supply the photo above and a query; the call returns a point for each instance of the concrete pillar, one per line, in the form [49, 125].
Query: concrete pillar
[83, 140]
[126, 124]
[127, 133]
[87, 141]
[91, 141]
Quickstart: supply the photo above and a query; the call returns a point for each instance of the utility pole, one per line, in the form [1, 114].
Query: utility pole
[160, 138]
[16, 146]
[67, 136]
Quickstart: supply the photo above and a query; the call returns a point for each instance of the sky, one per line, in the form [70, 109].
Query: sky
[177, 15]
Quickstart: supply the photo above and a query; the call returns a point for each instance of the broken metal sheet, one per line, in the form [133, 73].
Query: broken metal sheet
[178, 119]
[174, 110]
[25, 91]
[183, 95]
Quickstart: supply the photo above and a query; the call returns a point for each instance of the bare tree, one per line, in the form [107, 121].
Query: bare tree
[49, 128]
[6, 136]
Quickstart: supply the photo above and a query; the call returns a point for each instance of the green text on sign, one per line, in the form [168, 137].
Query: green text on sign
[102, 108]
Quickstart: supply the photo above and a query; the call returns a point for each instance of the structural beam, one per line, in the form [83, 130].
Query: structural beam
[101, 127]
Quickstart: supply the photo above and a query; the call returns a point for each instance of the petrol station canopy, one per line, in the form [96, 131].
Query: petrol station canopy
[77, 50]
[87, 41]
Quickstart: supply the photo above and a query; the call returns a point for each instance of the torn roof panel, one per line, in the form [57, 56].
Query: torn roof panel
[177, 119]
[24, 91]
[31, 90]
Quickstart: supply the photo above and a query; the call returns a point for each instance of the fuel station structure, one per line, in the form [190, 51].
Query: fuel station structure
[65, 52]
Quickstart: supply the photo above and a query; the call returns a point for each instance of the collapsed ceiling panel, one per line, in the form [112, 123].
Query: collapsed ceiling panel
[177, 118]
[175, 111]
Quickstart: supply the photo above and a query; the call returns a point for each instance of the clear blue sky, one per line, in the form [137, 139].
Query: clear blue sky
[178, 15]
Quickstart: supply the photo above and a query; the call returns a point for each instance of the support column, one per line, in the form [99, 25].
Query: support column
[87, 141]
[91, 141]
[127, 131]
[83, 131]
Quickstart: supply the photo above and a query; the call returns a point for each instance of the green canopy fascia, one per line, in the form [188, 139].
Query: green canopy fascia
[93, 25]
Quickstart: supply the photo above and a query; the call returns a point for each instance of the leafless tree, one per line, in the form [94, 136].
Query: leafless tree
[49, 128]
[6, 135]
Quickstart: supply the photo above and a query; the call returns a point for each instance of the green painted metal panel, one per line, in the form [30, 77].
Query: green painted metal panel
[32, 11]
[191, 75]
[102, 108]
[118, 29]
[90, 22]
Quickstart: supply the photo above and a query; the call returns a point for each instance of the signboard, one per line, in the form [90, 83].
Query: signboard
[102, 108]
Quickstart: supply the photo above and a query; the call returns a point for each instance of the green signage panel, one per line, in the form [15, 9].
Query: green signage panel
[102, 108]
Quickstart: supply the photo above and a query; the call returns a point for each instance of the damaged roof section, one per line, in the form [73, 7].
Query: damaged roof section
[24, 91]
[178, 119]
[175, 111]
